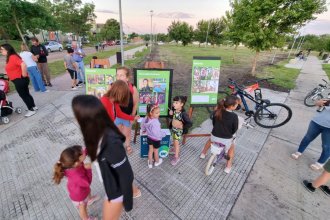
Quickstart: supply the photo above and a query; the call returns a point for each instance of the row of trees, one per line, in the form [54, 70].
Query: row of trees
[17, 17]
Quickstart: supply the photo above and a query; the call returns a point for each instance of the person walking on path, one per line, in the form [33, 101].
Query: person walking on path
[17, 73]
[41, 53]
[78, 56]
[32, 68]
[320, 124]
[320, 181]
[72, 68]
[105, 143]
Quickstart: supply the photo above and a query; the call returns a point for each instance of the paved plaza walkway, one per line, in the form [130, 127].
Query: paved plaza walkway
[260, 185]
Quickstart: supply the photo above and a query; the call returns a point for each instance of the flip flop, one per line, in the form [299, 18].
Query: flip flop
[129, 150]
[137, 195]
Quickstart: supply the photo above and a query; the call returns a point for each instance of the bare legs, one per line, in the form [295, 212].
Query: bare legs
[153, 153]
[83, 211]
[112, 210]
[321, 180]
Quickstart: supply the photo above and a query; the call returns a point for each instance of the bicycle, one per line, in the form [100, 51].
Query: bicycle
[266, 114]
[315, 94]
[218, 149]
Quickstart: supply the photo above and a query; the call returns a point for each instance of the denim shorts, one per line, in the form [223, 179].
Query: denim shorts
[120, 121]
[116, 200]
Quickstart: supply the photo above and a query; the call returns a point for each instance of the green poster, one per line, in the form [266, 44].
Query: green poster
[153, 86]
[98, 81]
[205, 80]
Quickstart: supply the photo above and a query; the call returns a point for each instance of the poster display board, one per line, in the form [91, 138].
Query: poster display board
[153, 86]
[205, 80]
[164, 145]
[99, 80]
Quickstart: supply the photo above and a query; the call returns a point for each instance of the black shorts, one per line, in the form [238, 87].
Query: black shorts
[73, 74]
[155, 144]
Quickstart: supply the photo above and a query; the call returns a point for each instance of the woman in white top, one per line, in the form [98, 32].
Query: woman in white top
[32, 68]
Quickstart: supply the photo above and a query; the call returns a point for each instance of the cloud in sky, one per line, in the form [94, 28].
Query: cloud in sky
[106, 11]
[178, 15]
[318, 27]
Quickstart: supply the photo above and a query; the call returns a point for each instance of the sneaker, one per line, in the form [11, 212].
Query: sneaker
[79, 85]
[80, 82]
[202, 156]
[175, 161]
[46, 90]
[30, 113]
[296, 155]
[308, 186]
[73, 88]
[92, 199]
[50, 85]
[325, 189]
[159, 162]
[149, 164]
[227, 170]
[35, 108]
[316, 166]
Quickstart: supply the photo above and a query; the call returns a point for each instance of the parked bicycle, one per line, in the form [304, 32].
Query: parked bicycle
[315, 94]
[265, 113]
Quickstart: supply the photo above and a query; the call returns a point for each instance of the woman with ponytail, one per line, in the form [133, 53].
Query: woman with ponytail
[225, 125]
[79, 177]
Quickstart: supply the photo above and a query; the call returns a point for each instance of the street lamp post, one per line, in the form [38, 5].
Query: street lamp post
[121, 35]
[151, 13]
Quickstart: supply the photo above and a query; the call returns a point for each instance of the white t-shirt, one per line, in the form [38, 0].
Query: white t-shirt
[27, 58]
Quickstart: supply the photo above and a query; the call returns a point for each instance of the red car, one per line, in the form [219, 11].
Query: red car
[111, 43]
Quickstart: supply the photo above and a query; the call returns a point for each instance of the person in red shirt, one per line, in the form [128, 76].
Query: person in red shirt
[17, 73]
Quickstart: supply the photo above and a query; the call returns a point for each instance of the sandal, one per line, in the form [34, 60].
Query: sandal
[296, 155]
[129, 150]
[316, 166]
[137, 195]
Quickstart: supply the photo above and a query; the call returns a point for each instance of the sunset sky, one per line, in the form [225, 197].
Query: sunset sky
[136, 14]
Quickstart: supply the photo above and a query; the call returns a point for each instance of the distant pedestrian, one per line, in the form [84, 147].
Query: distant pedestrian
[151, 125]
[17, 73]
[32, 68]
[79, 175]
[180, 123]
[320, 124]
[320, 181]
[41, 53]
[225, 125]
[104, 143]
[78, 56]
[72, 68]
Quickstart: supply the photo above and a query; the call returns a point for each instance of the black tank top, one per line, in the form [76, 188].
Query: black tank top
[129, 109]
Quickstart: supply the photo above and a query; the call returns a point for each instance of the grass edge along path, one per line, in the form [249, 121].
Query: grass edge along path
[326, 68]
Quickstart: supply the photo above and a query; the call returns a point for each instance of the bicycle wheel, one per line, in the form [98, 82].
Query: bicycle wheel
[272, 115]
[210, 165]
[310, 99]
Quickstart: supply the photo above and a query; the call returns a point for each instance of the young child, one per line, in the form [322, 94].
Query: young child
[151, 125]
[72, 67]
[179, 125]
[125, 126]
[225, 124]
[79, 177]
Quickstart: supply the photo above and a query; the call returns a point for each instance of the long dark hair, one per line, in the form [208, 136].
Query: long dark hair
[93, 120]
[67, 160]
[182, 99]
[223, 104]
[10, 51]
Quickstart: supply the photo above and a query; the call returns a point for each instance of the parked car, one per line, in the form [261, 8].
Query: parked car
[53, 46]
[118, 42]
[111, 43]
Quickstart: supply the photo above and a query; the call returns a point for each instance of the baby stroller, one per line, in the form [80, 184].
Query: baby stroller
[6, 107]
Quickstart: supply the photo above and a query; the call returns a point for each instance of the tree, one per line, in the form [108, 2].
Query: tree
[111, 30]
[23, 16]
[181, 31]
[201, 31]
[133, 35]
[264, 23]
[162, 37]
[73, 16]
[216, 29]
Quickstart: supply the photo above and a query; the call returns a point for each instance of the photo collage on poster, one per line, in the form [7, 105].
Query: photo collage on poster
[205, 79]
[98, 81]
[152, 91]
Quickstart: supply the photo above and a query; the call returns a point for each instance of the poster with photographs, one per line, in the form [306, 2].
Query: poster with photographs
[153, 86]
[205, 80]
[98, 81]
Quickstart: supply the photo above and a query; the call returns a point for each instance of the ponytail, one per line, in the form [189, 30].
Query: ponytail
[58, 172]
[223, 104]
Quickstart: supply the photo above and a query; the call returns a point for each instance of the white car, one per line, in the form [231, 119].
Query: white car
[53, 46]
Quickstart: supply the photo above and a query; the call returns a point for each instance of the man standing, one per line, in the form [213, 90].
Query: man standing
[78, 56]
[41, 53]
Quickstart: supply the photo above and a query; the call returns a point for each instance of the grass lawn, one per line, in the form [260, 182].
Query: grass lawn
[326, 68]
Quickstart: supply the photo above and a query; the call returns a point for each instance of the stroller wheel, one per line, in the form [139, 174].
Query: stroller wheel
[18, 110]
[5, 120]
